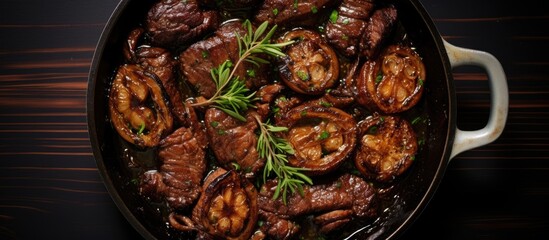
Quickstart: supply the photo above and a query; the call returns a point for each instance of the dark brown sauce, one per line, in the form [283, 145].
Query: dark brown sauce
[135, 161]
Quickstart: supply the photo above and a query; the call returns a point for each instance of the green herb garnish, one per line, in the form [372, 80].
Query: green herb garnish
[221, 132]
[141, 129]
[325, 104]
[250, 73]
[232, 95]
[275, 151]
[416, 120]
[314, 9]
[379, 77]
[324, 135]
[205, 54]
[302, 75]
[333, 16]
[236, 166]
[373, 130]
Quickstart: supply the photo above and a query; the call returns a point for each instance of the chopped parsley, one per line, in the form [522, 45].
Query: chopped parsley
[379, 77]
[302, 75]
[141, 129]
[250, 73]
[236, 166]
[205, 54]
[325, 104]
[373, 130]
[324, 135]
[333, 16]
[416, 120]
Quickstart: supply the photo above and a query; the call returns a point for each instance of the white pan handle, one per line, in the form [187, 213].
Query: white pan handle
[465, 140]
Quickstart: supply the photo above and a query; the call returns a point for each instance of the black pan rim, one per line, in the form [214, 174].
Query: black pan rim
[92, 127]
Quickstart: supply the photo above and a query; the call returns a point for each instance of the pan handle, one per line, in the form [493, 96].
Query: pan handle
[466, 140]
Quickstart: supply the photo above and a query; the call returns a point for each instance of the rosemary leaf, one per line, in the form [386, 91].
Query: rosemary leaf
[260, 30]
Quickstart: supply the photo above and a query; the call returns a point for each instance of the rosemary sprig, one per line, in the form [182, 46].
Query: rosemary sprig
[275, 150]
[232, 95]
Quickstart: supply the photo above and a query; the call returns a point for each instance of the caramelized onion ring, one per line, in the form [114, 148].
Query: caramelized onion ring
[386, 149]
[137, 107]
[394, 82]
[322, 137]
[311, 66]
[228, 207]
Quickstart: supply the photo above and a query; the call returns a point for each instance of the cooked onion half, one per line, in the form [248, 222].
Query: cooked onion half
[322, 137]
[138, 109]
[386, 149]
[227, 208]
[310, 66]
[393, 82]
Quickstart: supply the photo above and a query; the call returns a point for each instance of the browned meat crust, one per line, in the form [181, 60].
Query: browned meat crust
[172, 23]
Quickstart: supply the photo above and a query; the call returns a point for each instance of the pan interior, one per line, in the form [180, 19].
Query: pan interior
[410, 195]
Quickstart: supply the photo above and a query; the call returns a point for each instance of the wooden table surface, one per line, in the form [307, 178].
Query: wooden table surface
[50, 187]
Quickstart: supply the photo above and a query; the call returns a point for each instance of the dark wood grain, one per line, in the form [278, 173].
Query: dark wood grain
[50, 186]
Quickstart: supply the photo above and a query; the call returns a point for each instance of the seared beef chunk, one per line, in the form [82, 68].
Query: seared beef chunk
[276, 227]
[158, 61]
[172, 23]
[379, 27]
[234, 142]
[266, 95]
[283, 104]
[182, 166]
[288, 12]
[333, 204]
[227, 208]
[199, 59]
[354, 30]
[346, 26]
[131, 44]
[387, 147]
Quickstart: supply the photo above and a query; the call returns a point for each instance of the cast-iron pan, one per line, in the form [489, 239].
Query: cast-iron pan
[412, 193]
